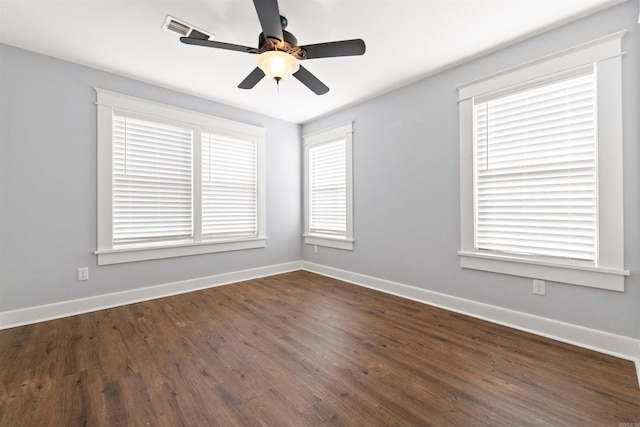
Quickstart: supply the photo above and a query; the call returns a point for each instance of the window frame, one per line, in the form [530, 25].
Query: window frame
[319, 138]
[107, 102]
[608, 272]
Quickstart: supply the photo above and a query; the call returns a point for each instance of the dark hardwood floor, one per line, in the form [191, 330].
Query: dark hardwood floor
[300, 349]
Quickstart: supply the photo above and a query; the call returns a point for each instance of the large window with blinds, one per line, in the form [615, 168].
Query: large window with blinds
[535, 189]
[541, 169]
[328, 188]
[173, 182]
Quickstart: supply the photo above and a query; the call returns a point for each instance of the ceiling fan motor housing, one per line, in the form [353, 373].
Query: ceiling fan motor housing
[288, 45]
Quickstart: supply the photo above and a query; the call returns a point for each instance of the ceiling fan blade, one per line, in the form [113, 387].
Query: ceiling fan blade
[252, 79]
[332, 49]
[269, 16]
[310, 81]
[219, 45]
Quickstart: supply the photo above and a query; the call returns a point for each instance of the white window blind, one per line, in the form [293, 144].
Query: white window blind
[535, 171]
[229, 187]
[174, 182]
[152, 184]
[328, 189]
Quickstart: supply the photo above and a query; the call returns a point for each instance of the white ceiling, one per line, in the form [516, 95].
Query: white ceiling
[406, 40]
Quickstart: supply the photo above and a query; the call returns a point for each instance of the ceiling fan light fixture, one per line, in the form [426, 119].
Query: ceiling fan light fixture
[277, 64]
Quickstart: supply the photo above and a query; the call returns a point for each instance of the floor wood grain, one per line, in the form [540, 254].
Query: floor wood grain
[300, 349]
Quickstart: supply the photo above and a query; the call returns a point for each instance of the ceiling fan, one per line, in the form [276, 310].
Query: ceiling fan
[279, 53]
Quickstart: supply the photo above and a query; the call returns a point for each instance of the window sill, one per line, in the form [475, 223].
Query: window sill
[118, 256]
[331, 242]
[594, 277]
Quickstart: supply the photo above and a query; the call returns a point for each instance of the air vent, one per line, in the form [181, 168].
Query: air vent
[184, 29]
[177, 27]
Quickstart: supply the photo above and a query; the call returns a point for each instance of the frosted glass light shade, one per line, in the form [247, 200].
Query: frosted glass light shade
[277, 64]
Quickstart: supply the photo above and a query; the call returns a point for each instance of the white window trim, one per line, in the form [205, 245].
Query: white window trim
[609, 272]
[345, 131]
[108, 101]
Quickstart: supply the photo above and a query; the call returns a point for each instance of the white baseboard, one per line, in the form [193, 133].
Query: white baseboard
[592, 339]
[10, 319]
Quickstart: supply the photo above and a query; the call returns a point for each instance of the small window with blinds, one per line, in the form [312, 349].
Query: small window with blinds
[535, 171]
[328, 188]
[174, 182]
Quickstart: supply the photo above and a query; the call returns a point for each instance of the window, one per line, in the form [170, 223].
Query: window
[328, 188]
[229, 187]
[535, 171]
[152, 181]
[541, 169]
[173, 182]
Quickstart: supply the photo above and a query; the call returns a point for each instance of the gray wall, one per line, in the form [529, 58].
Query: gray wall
[406, 187]
[48, 185]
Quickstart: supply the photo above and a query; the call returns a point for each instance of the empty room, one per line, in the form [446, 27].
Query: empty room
[319, 212]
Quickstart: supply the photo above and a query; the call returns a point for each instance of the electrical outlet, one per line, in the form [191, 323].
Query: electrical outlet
[83, 274]
[315, 249]
[538, 287]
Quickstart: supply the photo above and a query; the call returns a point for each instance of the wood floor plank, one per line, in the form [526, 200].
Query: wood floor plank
[299, 349]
